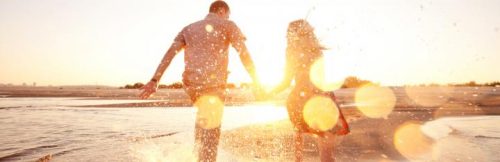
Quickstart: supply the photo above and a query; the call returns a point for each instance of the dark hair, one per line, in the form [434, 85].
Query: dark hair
[218, 5]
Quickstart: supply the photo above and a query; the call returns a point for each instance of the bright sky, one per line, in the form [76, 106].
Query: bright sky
[117, 42]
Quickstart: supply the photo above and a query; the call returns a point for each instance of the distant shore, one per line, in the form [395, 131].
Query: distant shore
[162, 98]
[471, 96]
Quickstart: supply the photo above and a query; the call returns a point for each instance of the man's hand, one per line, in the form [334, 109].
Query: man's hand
[148, 89]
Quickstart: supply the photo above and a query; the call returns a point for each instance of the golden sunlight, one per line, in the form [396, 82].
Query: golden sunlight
[268, 114]
[210, 109]
[317, 75]
[321, 113]
[269, 78]
[375, 102]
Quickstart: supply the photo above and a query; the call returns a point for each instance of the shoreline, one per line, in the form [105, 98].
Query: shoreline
[470, 96]
[371, 139]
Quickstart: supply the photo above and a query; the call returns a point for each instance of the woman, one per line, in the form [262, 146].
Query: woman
[302, 51]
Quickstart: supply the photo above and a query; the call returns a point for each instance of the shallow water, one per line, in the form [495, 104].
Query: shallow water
[464, 138]
[35, 127]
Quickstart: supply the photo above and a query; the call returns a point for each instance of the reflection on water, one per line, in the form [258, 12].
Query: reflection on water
[35, 127]
[108, 134]
[53, 102]
[450, 139]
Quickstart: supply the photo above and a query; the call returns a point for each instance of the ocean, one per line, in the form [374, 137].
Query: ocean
[32, 128]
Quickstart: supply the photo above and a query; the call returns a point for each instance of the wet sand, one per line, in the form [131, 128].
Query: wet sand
[370, 139]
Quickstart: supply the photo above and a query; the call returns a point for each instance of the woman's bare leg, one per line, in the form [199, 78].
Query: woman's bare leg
[326, 147]
[299, 146]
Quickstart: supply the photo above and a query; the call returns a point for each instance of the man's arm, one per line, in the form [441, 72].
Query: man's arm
[250, 68]
[247, 61]
[167, 59]
[152, 85]
[237, 40]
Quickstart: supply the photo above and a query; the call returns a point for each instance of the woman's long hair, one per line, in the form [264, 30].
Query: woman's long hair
[302, 41]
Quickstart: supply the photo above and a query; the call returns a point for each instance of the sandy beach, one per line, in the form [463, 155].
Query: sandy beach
[371, 139]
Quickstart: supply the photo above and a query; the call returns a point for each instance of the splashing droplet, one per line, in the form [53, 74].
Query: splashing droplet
[209, 28]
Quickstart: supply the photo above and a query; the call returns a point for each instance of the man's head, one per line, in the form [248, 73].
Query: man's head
[220, 8]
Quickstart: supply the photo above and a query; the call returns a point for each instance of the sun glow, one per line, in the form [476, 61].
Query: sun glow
[269, 114]
[320, 78]
[269, 78]
[79, 34]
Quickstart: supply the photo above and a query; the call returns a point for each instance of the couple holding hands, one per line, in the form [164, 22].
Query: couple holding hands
[206, 43]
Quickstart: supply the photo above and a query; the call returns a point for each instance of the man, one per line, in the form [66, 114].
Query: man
[206, 43]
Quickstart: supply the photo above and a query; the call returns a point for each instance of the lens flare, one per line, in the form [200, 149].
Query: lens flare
[209, 28]
[318, 78]
[430, 96]
[410, 141]
[209, 113]
[375, 102]
[321, 113]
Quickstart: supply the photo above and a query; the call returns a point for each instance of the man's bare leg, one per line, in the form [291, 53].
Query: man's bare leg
[208, 122]
[206, 142]
[207, 134]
